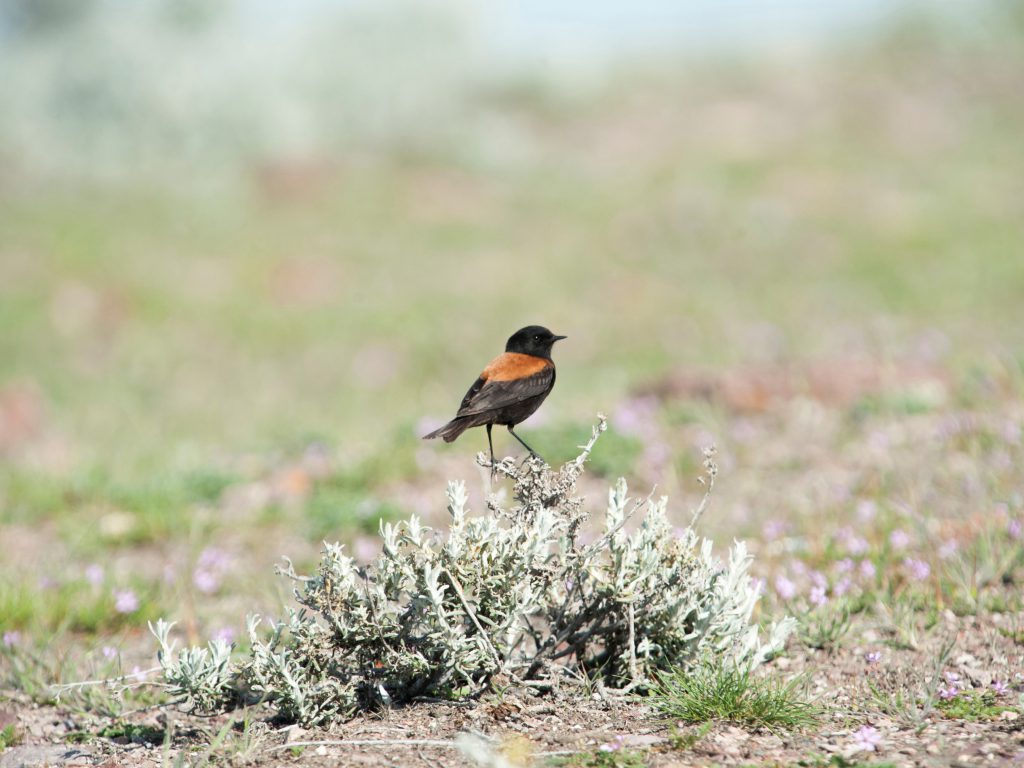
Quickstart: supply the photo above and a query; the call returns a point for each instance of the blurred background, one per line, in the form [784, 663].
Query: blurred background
[251, 251]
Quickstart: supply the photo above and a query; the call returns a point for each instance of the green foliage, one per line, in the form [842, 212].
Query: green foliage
[9, 736]
[973, 706]
[610, 758]
[132, 733]
[715, 691]
[72, 606]
[824, 628]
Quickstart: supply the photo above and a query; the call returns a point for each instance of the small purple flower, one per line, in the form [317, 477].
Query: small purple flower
[785, 588]
[614, 745]
[215, 559]
[94, 574]
[842, 586]
[818, 579]
[857, 545]
[1000, 687]
[12, 637]
[873, 657]
[948, 692]
[774, 529]
[206, 581]
[225, 635]
[139, 674]
[109, 652]
[1015, 529]
[951, 677]
[211, 566]
[867, 569]
[844, 566]
[948, 548]
[919, 570]
[867, 739]
[866, 510]
[125, 601]
[899, 539]
[817, 596]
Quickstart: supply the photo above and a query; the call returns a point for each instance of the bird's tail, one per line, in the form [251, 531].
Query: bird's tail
[451, 430]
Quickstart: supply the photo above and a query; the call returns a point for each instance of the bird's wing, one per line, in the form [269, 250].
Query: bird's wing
[509, 379]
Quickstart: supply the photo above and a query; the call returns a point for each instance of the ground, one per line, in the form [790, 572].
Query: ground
[815, 267]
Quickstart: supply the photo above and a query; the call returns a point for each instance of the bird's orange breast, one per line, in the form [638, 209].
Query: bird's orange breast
[513, 365]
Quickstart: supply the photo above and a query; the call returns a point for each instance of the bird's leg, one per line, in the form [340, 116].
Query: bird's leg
[523, 443]
[491, 446]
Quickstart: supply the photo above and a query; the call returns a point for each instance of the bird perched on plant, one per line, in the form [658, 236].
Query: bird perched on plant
[510, 388]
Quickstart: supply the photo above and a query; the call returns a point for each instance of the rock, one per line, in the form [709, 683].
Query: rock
[1009, 715]
[31, 756]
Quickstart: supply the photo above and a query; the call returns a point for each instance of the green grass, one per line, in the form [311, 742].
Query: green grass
[974, 706]
[725, 693]
[9, 736]
[619, 758]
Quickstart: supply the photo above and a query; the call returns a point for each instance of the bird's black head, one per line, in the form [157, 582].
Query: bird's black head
[533, 340]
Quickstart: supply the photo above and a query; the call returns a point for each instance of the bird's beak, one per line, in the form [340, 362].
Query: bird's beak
[558, 338]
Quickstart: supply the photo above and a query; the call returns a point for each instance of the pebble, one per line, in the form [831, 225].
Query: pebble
[1009, 715]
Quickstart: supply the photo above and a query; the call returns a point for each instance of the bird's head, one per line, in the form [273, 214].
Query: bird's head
[533, 340]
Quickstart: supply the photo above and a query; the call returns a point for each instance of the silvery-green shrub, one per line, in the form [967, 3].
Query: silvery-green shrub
[509, 595]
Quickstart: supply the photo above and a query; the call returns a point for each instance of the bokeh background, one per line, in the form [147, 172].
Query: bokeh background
[250, 251]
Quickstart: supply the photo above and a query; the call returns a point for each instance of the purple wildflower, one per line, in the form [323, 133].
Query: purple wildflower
[866, 510]
[948, 548]
[125, 601]
[785, 588]
[108, 651]
[867, 739]
[774, 529]
[919, 570]
[873, 657]
[225, 635]
[206, 582]
[211, 566]
[1015, 529]
[867, 569]
[899, 539]
[1000, 687]
[845, 565]
[12, 637]
[817, 596]
[842, 586]
[614, 745]
[948, 692]
[94, 574]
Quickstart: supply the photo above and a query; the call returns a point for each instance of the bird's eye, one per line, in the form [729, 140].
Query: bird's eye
[537, 337]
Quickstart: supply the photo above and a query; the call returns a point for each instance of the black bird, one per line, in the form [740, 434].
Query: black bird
[510, 389]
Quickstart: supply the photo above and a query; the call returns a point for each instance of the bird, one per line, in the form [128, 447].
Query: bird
[510, 388]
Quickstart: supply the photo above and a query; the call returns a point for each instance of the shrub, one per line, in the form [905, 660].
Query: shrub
[511, 595]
